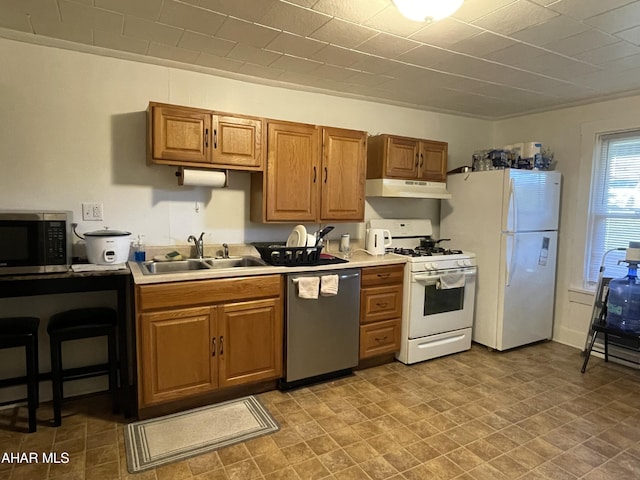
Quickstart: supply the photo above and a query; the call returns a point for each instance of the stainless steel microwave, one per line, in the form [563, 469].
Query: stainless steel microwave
[35, 241]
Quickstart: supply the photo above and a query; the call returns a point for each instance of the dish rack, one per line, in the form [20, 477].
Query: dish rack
[281, 255]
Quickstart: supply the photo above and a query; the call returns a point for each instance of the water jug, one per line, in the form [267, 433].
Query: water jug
[623, 305]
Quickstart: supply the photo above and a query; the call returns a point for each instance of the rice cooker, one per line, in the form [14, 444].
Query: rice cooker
[106, 247]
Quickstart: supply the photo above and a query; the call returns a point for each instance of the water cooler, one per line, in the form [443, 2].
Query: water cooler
[623, 304]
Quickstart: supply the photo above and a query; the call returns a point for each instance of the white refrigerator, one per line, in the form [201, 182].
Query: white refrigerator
[509, 218]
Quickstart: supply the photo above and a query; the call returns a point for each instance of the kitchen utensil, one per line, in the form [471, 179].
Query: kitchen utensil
[429, 242]
[375, 241]
[321, 233]
[297, 237]
[310, 240]
[105, 247]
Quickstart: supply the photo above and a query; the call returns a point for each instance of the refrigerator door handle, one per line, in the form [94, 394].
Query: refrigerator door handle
[513, 207]
[510, 239]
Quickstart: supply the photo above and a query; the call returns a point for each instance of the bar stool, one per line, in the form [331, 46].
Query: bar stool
[78, 324]
[23, 332]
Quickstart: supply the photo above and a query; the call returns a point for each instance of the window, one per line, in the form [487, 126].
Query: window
[614, 216]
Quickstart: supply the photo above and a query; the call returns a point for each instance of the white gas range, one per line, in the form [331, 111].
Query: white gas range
[439, 291]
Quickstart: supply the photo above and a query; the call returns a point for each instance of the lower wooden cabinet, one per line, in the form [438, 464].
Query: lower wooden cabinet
[187, 351]
[380, 310]
[250, 341]
[177, 356]
[379, 338]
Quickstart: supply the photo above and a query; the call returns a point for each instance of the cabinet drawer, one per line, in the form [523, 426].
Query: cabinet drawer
[372, 276]
[380, 303]
[206, 292]
[379, 338]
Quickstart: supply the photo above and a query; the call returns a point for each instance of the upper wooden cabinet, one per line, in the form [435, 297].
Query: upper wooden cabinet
[407, 158]
[194, 137]
[291, 192]
[313, 174]
[344, 154]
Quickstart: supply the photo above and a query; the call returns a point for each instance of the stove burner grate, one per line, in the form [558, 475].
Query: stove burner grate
[423, 251]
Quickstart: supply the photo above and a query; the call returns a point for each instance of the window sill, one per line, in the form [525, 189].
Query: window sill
[581, 295]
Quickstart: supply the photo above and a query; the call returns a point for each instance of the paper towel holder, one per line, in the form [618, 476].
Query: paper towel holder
[180, 175]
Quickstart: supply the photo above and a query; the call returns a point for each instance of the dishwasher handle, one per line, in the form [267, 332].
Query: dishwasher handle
[341, 277]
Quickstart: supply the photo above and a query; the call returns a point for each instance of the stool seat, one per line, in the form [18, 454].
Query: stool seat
[77, 324]
[23, 332]
[80, 318]
[19, 326]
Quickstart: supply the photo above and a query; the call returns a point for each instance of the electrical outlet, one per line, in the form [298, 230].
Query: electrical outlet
[92, 211]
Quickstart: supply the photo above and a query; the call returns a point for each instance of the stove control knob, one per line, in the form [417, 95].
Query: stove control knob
[460, 263]
[429, 266]
[467, 263]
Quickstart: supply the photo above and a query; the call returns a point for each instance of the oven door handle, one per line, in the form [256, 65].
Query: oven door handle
[426, 279]
[434, 279]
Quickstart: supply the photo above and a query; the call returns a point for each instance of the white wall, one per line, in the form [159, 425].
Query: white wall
[570, 133]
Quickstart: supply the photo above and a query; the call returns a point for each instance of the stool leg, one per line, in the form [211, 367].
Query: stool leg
[587, 354]
[56, 379]
[606, 347]
[113, 370]
[36, 359]
[32, 381]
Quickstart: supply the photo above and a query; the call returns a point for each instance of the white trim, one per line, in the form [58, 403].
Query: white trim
[590, 133]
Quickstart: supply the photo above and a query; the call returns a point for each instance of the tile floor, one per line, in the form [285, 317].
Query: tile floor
[527, 414]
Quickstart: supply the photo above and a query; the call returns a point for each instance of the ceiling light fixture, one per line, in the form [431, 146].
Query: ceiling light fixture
[427, 10]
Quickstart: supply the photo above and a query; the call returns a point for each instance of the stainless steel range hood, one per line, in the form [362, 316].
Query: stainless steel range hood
[392, 187]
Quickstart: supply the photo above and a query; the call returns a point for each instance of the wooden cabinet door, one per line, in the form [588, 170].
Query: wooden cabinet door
[379, 338]
[380, 303]
[180, 134]
[403, 157]
[433, 161]
[344, 158]
[178, 354]
[292, 172]
[236, 142]
[250, 341]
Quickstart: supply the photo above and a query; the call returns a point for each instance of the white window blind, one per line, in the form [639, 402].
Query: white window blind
[615, 203]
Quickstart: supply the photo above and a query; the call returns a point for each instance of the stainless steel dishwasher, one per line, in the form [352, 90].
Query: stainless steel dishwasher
[322, 335]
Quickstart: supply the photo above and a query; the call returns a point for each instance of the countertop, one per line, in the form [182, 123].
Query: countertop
[62, 275]
[358, 260]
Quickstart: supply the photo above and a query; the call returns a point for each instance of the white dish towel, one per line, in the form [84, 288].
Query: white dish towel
[329, 285]
[308, 287]
[450, 280]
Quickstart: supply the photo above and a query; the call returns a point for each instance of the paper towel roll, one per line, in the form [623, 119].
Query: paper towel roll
[202, 178]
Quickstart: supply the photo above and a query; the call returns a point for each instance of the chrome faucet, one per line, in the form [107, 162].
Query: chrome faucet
[199, 244]
[225, 248]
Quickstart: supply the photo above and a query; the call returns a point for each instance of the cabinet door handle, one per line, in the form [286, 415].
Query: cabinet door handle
[206, 138]
[381, 340]
[325, 174]
[213, 347]
[421, 160]
[314, 174]
[382, 304]
[215, 138]
[417, 159]
[221, 345]
[383, 275]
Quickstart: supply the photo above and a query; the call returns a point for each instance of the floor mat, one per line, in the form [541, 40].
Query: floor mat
[154, 442]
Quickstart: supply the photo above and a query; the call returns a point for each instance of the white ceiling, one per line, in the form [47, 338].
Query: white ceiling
[491, 59]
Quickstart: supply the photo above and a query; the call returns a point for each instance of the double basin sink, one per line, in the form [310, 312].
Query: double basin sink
[190, 265]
